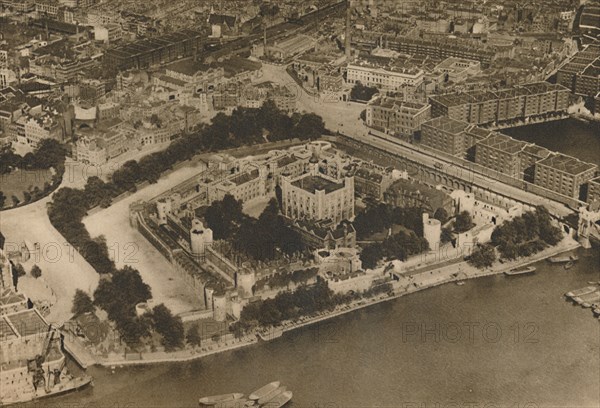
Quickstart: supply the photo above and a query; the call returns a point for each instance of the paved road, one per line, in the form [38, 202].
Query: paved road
[344, 117]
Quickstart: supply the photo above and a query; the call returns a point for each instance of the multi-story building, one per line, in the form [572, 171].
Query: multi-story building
[458, 70]
[411, 193]
[372, 181]
[500, 153]
[582, 73]
[47, 8]
[290, 47]
[521, 102]
[563, 174]
[3, 57]
[325, 234]
[253, 96]
[392, 78]
[396, 117]
[90, 151]
[41, 127]
[593, 194]
[444, 134]
[244, 186]
[530, 155]
[314, 196]
[155, 51]
[441, 48]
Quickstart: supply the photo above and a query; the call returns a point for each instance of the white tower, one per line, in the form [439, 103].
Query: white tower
[432, 231]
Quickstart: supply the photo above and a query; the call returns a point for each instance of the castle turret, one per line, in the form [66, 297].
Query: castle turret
[220, 306]
[432, 231]
[245, 282]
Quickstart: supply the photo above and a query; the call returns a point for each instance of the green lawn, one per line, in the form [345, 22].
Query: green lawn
[22, 180]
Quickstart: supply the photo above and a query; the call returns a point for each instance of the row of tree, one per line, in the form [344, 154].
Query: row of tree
[282, 280]
[118, 295]
[398, 246]
[245, 126]
[527, 234]
[261, 239]
[49, 154]
[268, 236]
[379, 217]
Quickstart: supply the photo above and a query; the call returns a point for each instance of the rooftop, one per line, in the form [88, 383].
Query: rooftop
[313, 184]
[567, 164]
[447, 124]
[27, 322]
[503, 142]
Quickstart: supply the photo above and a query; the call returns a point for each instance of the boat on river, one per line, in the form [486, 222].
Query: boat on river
[267, 398]
[264, 391]
[520, 271]
[580, 292]
[220, 399]
[279, 401]
[563, 259]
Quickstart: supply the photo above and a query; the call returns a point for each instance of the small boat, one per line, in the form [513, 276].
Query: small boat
[271, 395]
[219, 399]
[580, 292]
[264, 391]
[460, 283]
[236, 403]
[522, 271]
[280, 400]
[563, 259]
[569, 265]
[590, 298]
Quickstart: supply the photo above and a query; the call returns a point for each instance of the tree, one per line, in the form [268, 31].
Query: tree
[463, 222]
[221, 216]
[441, 214]
[19, 270]
[36, 272]
[193, 335]
[2, 199]
[483, 256]
[446, 235]
[362, 93]
[15, 200]
[82, 303]
[168, 326]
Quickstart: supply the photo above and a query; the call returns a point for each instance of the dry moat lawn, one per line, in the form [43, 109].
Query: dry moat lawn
[22, 180]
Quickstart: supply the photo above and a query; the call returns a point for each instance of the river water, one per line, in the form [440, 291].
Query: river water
[495, 341]
[569, 136]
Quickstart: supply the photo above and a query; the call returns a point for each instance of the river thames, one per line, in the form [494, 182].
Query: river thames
[494, 342]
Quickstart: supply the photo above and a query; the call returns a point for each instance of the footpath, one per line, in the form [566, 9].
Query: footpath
[409, 283]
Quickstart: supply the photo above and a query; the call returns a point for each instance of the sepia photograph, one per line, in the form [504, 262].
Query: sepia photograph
[300, 204]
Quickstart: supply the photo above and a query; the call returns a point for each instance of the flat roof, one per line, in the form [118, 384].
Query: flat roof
[503, 142]
[27, 322]
[447, 124]
[537, 150]
[6, 332]
[313, 184]
[567, 164]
